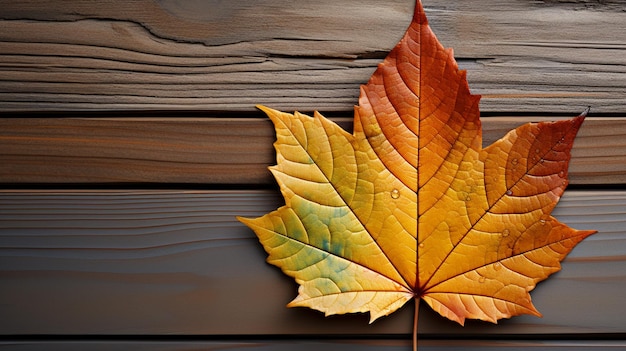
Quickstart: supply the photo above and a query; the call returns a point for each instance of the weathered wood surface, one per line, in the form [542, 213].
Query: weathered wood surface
[558, 56]
[315, 345]
[177, 262]
[221, 150]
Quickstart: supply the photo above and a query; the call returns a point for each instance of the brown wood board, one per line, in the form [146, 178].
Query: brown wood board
[221, 150]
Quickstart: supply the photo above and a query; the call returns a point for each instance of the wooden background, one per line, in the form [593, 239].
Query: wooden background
[129, 141]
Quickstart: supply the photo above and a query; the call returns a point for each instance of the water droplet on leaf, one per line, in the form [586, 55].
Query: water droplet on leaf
[395, 194]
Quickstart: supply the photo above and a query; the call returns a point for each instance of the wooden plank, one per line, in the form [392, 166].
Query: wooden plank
[314, 345]
[522, 56]
[177, 262]
[221, 150]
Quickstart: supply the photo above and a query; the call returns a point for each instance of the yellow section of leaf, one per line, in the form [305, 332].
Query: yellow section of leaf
[328, 282]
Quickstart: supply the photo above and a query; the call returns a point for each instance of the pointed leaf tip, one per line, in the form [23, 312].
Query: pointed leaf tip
[585, 112]
[419, 15]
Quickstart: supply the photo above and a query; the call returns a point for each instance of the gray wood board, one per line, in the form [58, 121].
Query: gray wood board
[177, 262]
[231, 55]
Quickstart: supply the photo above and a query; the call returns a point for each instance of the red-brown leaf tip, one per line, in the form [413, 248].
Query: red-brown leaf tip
[419, 16]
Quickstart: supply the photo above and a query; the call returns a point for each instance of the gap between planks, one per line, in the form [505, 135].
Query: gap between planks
[307, 344]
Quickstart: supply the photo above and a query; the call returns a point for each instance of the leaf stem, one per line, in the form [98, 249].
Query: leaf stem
[417, 307]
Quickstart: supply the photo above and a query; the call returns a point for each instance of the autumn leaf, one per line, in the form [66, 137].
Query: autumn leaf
[410, 206]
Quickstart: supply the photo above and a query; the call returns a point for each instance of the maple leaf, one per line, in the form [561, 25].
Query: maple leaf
[410, 206]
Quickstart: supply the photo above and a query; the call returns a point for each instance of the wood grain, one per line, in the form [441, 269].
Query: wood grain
[177, 262]
[221, 150]
[557, 56]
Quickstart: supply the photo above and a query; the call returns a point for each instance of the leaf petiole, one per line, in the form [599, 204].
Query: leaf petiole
[415, 314]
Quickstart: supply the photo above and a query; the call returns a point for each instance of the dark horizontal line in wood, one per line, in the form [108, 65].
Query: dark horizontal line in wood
[316, 345]
[440, 338]
[178, 262]
[256, 113]
[221, 150]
